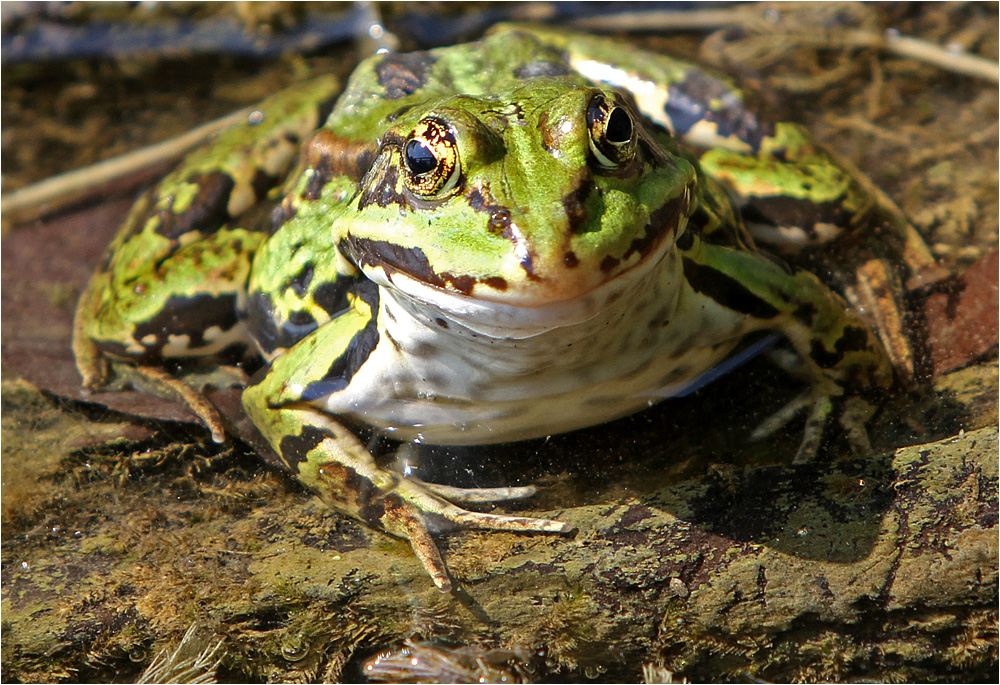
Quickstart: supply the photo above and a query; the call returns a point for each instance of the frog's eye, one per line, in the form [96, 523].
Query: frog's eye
[612, 133]
[431, 158]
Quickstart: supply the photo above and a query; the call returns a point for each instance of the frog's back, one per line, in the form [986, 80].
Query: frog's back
[386, 85]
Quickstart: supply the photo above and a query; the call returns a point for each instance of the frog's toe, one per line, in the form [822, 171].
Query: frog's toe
[854, 418]
[447, 516]
[420, 510]
[478, 495]
[819, 405]
[776, 421]
[158, 382]
[407, 522]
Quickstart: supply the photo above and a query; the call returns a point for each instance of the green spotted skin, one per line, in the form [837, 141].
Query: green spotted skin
[484, 243]
[171, 278]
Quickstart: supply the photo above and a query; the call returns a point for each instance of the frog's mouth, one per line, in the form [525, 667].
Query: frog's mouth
[544, 282]
[433, 297]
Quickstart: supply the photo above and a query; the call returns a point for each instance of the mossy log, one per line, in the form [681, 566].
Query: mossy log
[881, 568]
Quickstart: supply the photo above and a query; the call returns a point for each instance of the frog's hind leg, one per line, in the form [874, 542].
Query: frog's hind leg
[168, 287]
[128, 324]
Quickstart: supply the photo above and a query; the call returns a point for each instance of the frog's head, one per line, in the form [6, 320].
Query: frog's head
[529, 198]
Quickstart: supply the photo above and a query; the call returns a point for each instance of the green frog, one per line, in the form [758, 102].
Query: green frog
[484, 243]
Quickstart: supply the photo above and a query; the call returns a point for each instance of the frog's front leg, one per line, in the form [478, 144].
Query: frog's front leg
[286, 405]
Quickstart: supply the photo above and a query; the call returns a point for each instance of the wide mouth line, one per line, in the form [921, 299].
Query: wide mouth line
[515, 319]
[391, 265]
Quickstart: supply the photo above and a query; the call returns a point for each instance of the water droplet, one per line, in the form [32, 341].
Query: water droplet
[294, 653]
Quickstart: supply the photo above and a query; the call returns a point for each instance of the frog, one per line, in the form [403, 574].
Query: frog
[483, 243]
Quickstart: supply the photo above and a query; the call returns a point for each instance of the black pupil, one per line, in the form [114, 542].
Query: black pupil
[619, 128]
[419, 158]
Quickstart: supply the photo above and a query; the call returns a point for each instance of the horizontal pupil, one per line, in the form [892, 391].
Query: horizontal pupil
[419, 158]
[619, 126]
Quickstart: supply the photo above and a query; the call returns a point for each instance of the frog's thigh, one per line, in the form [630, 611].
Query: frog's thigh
[183, 306]
[701, 106]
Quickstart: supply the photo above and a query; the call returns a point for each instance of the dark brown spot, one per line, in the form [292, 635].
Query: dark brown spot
[698, 98]
[262, 182]
[462, 283]
[302, 319]
[299, 283]
[408, 260]
[609, 263]
[823, 357]
[329, 155]
[499, 223]
[496, 282]
[854, 338]
[662, 222]
[481, 200]
[403, 73]
[800, 213]
[282, 213]
[345, 486]
[726, 290]
[383, 191]
[570, 260]
[190, 316]
[575, 205]
[343, 368]
[805, 314]
[295, 449]
[332, 295]
[685, 241]
[206, 213]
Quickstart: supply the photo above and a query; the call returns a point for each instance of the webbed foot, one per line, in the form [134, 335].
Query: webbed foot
[852, 414]
[412, 509]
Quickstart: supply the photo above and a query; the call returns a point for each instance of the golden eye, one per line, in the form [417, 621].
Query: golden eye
[431, 158]
[612, 133]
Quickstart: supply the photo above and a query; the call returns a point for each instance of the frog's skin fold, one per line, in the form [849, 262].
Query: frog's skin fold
[479, 244]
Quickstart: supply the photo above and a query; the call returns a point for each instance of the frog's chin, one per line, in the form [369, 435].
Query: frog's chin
[526, 318]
